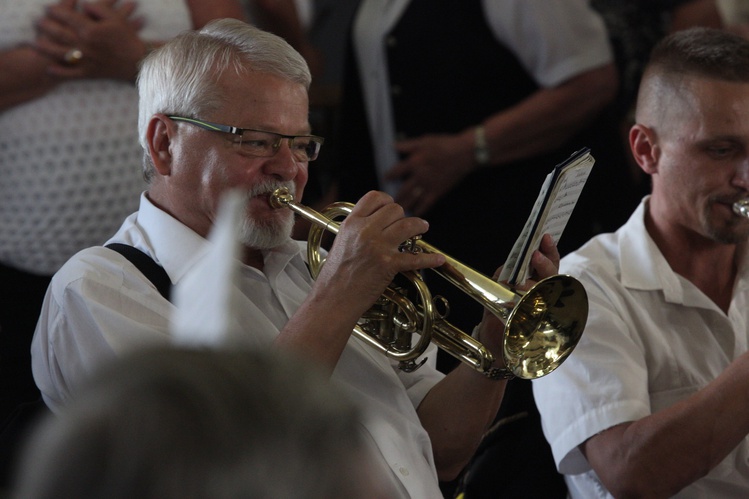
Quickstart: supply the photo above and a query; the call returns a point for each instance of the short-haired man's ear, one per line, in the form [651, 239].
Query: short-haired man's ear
[159, 137]
[645, 150]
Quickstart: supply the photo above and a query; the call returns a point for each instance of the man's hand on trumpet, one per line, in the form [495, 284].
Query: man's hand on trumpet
[363, 260]
[365, 257]
[545, 263]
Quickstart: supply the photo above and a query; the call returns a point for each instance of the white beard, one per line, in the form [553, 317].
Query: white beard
[267, 235]
[254, 235]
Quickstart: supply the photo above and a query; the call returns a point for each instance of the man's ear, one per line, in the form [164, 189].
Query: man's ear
[645, 149]
[159, 136]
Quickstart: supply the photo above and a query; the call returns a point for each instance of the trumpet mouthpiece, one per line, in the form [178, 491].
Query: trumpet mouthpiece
[741, 208]
[281, 198]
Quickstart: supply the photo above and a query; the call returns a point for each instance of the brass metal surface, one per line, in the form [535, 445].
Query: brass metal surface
[542, 325]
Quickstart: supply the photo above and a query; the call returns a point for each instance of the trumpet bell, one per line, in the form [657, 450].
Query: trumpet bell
[545, 326]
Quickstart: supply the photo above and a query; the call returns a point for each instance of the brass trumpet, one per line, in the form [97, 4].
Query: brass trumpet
[542, 325]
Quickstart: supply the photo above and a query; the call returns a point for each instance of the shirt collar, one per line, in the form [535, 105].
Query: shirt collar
[643, 265]
[276, 260]
[176, 247]
[645, 268]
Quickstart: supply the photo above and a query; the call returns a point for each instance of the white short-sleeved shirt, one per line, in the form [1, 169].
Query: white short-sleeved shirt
[99, 306]
[70, 161]
[652, 339]
[554, 39]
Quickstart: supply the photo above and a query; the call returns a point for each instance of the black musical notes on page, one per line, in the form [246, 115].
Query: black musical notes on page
[550, 213]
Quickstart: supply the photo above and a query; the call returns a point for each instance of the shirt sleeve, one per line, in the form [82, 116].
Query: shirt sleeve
[604, 382]
[419, 382]
[93, 311]
[554, 39]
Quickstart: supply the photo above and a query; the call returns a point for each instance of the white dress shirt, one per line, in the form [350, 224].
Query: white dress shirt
[652, 339]
[70, 161]
[99, 306]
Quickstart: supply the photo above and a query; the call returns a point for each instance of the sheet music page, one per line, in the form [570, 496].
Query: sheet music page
[563, 201]
[550, 213]
[510, 267]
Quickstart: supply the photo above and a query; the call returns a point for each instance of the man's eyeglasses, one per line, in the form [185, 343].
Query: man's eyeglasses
[261, 143]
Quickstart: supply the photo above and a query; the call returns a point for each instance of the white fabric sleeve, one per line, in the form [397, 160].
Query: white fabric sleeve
[419, 382]
[604, 382]
[554, 39]
[84, 316]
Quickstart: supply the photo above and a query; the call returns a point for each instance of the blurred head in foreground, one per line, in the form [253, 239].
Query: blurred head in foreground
[191, 423]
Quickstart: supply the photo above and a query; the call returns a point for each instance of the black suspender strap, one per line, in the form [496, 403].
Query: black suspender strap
[152, 270]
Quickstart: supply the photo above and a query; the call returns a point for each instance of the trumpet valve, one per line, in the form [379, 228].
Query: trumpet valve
[410, 245]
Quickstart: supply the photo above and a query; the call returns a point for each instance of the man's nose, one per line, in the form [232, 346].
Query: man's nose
[741, 177]
[283, 164]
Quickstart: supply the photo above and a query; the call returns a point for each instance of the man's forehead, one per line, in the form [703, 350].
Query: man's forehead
[670, 99]
[264, 100]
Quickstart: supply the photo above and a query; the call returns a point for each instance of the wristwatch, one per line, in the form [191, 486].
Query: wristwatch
[480, 147]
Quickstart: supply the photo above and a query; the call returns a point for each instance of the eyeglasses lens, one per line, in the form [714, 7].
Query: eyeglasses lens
[266, 144]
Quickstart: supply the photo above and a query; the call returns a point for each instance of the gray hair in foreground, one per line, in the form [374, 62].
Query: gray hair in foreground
[201, 424]
[180, 77]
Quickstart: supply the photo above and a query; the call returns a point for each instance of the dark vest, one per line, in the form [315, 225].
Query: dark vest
[447, 70]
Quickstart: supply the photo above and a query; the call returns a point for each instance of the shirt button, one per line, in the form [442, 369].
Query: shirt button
[404, 471]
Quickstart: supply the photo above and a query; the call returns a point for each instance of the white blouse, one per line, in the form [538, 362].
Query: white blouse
[70, 161]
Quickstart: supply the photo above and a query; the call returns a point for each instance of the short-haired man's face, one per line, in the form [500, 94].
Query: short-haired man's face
[207, 163]
[702, 135]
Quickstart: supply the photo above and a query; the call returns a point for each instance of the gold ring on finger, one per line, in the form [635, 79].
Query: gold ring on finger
[73, 56]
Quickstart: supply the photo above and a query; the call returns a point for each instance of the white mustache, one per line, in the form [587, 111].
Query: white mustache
[268, 187]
